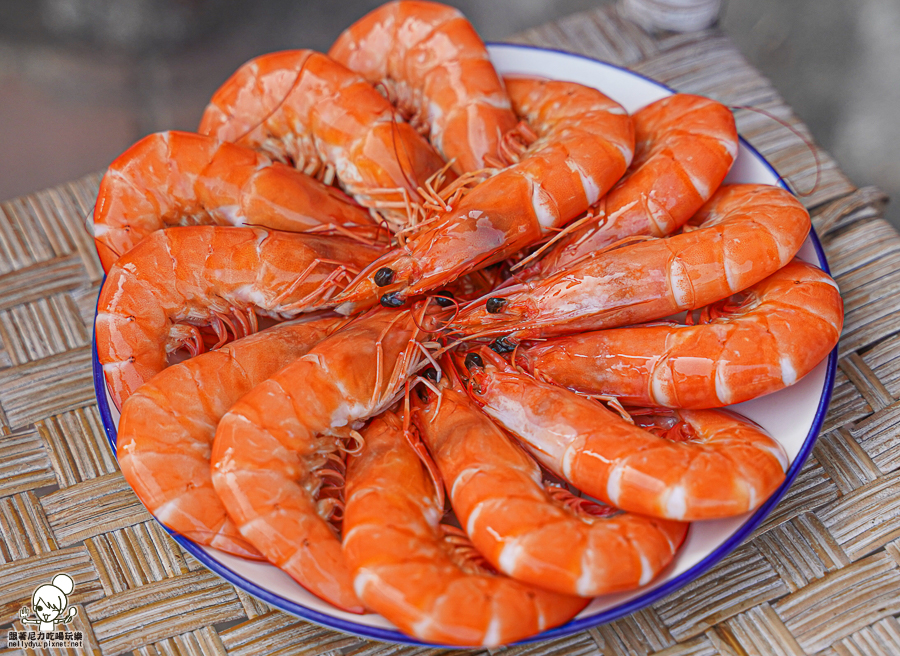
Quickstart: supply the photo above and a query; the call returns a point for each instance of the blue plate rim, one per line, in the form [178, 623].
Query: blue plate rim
[577, 624]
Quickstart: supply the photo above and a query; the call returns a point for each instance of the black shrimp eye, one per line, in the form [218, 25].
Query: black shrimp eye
[430, 374]
[473, 360]
[502, 345]
[495, 305]
[384, 276]
[392, 300]
[444, 299]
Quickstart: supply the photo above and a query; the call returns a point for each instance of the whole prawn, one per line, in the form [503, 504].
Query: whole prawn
[584, 144]
[167, 427]
[745, 233]
[277, 445]
[783, 327]
[302, 107]
[179, 178]
[404, 564]
[684, 148]
[159, 293]
[717, 464]
[537, 534]
[435, 67]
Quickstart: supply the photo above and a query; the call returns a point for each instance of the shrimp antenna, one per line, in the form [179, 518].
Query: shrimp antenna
[109, 248]
[280, 103]
[397, 150]
[429, 357]
[420, 326]
[804, 139]
[452, 371]
[414, 439]
[89, 219]
[449, 321]
[572, 227]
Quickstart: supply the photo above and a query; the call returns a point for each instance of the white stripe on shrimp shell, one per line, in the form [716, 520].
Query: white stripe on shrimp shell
[676, 502]
[464, 477]
[659, 384]
[788, 371]
[509, 556]
[699, 183]
[494, 633]
[544, 207]
[680, 285]
[591, 189]
[723, 391]
[613, 484]
[473, 517]
[585, 584]
[646, 569]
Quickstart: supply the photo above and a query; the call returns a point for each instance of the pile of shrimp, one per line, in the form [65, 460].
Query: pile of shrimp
[446, 346]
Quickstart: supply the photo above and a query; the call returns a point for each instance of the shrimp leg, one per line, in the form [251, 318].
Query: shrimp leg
[783, 327]
[274, 446]
[436, 68]
[583, 143]
[522, 528]
[719, 465]
[745, 233]
[157, 294]
[302, 107]
[404, 567]
[684, 147]
[178, 178]
[167, 427]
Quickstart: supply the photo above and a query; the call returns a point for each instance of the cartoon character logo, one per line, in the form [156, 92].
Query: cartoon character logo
[49, 603]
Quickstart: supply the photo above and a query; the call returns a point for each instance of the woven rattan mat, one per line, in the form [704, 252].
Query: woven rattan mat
[820, 576]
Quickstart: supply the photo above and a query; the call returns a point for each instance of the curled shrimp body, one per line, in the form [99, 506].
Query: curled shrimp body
[178, 178]
[302, 107]
[159, 293]
[585, 143]
[718, 465]
[167, 428]
[405, 569]
[435, 67]
[277, 446]
[745, 233]
[684, 148]
[784, 327]
[524, 529]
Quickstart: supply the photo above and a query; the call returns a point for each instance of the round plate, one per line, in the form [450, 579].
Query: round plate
[793, 416]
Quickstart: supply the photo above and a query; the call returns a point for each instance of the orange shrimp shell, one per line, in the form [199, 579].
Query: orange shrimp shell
[402, 567]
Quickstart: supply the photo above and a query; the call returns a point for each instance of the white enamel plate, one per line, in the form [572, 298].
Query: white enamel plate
[793, 416]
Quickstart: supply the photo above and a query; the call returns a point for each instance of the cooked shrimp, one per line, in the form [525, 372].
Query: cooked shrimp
[784, 327]
[178, 178]
[684, 148]
[747, 232]
[543, 536]
[302, 107]
[404, 567]
[585, 144]
[275, 447]
[435, 67]
[718, 465]
[167, 427]
[156, 295]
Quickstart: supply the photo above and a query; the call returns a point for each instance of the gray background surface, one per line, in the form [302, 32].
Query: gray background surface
[81, 80]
